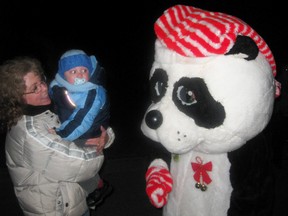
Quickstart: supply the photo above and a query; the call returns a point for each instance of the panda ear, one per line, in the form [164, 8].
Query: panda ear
[245, 45]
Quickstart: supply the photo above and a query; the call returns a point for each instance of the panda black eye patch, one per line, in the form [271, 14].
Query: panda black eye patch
[192, 97]
[158, 84]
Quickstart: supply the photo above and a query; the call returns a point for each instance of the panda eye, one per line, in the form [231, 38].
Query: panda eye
[186, 96]
[159, 88]
[158, 84]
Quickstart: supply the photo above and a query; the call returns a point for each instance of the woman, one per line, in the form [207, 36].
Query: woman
[45, 169]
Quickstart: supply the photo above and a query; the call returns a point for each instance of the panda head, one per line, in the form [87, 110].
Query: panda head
[212, 82]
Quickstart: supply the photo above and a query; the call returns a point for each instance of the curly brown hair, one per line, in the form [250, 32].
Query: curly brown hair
[12, 87]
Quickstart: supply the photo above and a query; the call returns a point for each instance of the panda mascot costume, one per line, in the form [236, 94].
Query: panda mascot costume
[212, 88]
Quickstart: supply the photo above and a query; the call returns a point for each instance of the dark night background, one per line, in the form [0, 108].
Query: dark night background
[121, 36]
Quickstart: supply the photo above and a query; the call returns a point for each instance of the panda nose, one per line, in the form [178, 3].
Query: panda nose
[154, 119]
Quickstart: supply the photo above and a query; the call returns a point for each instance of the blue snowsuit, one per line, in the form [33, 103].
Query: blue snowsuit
[82, 109]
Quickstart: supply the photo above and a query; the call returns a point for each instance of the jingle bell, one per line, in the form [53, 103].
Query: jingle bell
[198, 185]
[203, 187]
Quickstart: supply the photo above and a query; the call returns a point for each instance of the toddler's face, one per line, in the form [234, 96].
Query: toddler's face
[77, 75]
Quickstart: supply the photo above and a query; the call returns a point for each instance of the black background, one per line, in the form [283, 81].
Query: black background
[120, 34]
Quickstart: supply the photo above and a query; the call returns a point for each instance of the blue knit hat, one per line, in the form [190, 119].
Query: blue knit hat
[75, 58]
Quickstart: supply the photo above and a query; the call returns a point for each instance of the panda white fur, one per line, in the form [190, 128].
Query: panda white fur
[210, 111]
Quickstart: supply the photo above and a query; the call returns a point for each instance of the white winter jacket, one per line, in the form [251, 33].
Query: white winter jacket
[45, 169]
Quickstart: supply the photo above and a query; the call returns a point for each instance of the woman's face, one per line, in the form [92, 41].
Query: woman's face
[36, 92]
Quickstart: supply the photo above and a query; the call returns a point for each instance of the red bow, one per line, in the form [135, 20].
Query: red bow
[201, 170]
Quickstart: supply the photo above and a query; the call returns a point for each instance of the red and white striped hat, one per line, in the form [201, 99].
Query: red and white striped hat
[194, 32]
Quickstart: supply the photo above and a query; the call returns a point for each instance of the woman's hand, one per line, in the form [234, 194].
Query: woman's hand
[99, 142]
[52, 131]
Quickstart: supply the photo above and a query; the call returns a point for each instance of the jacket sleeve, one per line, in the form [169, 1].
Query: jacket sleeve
[32, 148]
[82, 119]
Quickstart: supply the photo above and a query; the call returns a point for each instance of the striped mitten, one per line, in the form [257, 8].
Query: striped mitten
[158, 183]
